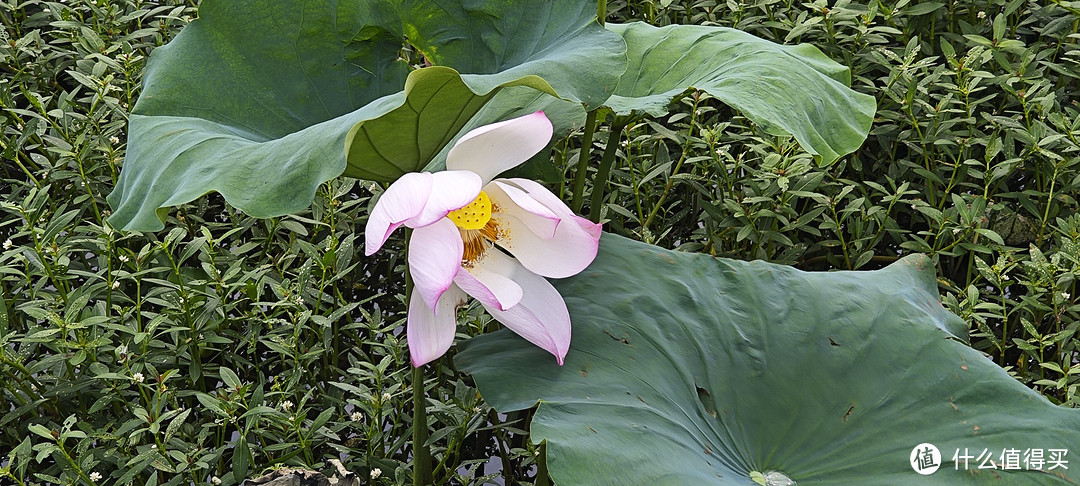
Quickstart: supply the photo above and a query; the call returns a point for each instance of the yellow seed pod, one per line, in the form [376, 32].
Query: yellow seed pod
[473, 216]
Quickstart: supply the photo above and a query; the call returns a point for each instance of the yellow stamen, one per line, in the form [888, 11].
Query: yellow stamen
[478, 242]
[474, 216]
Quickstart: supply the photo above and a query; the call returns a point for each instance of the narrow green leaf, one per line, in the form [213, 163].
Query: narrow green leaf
[229, 377]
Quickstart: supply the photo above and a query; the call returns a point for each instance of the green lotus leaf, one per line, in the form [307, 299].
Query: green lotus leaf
[795, 89]
[260, 100]
[689, 369]
[439, 104]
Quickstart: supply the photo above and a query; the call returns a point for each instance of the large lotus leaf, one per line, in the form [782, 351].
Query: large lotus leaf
[688, 369]
[439, 104]
[256, 98]
[796, 89]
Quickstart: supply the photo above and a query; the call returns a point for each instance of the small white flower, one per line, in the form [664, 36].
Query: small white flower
[981, 14]
[115, 284]
[124, 258]
[357, 416]
[286, 405]
[95, 476]
[8, 244]
[114, 140]
[386, 396]
[138, 377]
[375, 473]
[215, 480]
[1065, 295]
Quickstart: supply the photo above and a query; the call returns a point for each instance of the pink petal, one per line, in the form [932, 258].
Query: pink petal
[540, 317]
[450, 190]
[565, 252]
[434, 259]
[404, 199]
[492, 149]
[488, 281]
[431, 332]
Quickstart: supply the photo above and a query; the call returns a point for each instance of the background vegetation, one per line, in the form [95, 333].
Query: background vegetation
[225, 346]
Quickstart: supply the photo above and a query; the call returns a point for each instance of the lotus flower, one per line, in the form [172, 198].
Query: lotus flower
[467, 224]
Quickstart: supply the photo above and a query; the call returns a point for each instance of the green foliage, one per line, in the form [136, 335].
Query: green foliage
[790, 89]
[972, 159]
[823, 377]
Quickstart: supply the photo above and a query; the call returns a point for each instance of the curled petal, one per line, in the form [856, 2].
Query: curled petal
[552, 202]
[512, 200]
[431, 332]
[489, 281]
[566, 251]
[450, 190]
[403, 200]
[540, 317]
[492, 149]
[434, 259]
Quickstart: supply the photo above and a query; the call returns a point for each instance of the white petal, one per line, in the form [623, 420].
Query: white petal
[565, 252]
[434, 259]
[430, 333]
[552, 202]
[404, 199]
[488, 281]
[450, 190]
[541, 316]
[536, 216]
[492, 149]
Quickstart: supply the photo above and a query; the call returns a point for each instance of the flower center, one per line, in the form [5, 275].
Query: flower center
[479, 230]
[475, 215]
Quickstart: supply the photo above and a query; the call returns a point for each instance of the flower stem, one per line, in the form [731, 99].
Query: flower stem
[583, 161]
[604, 171]
[421, 454]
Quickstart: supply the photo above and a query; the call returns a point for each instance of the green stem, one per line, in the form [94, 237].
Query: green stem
[1049, 200]
[604, 171]
[601, 11]
[583, 161]
[678, 165]
[421, 454]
